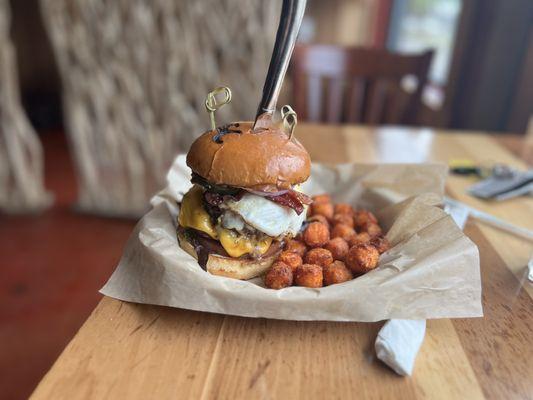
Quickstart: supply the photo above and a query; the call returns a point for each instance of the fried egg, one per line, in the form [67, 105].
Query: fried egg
[231, 220]
[267, 216]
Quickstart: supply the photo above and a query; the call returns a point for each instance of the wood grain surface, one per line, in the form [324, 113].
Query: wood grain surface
[137, 351]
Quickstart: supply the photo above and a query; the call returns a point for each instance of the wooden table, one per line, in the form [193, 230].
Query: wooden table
[138, 351]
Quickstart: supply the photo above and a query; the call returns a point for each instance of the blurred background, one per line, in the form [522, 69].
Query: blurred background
[96, 98]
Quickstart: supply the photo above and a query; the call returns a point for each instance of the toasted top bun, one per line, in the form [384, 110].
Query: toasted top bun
[247, 159]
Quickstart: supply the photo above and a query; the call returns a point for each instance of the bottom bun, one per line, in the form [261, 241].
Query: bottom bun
[236, 268]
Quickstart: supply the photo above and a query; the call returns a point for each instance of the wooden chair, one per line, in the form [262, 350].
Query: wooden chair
[356, 85]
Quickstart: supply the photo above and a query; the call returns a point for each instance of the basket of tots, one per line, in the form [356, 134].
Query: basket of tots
[373, 243]
[338, 242]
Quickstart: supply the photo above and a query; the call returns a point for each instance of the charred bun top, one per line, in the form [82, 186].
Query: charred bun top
[247, 159]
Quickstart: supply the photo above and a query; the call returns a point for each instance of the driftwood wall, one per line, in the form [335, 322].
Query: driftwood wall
[21, 159]
[135, 74]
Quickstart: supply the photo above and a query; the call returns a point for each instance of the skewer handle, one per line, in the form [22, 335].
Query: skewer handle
[292, 13]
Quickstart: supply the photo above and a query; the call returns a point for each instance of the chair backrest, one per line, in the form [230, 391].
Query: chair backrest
[345, 84]
[135, 77]
[21, 154]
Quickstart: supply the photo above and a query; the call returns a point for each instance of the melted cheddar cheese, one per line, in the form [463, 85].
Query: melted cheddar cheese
[193, 215]
[237, 245]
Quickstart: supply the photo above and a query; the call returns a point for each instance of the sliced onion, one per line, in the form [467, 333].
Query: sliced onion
[266, 194]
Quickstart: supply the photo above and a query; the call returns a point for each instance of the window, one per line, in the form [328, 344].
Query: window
[418, 25]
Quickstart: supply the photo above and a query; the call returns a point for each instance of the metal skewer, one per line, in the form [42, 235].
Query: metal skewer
[290, 20]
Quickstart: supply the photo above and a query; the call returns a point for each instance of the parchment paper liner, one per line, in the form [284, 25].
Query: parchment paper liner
[432, 270]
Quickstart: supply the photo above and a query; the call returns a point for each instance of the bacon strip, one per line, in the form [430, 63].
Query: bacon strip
[292, 199]
[287, 198]
[304, 199]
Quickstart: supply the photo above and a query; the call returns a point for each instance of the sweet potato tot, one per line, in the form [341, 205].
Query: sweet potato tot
[345, 219]
[362, 258]
[363, 217]
[325, 209]
[296, 246]
[316, 234]
[342, 231]
[318, 218]
[279, 276]
[372, 229]
[344, 208]
[321, 198]
[380, 243]
[360, 238]
[290, 258]
[309, 275]
[318, 256]
[336, 272]
[338, 248]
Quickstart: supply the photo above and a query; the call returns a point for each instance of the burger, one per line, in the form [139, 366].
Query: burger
[245, 200]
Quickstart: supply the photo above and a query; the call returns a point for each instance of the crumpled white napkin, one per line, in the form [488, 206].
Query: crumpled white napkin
[398, 343]
[399, 340]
